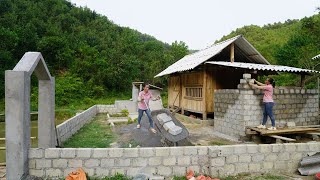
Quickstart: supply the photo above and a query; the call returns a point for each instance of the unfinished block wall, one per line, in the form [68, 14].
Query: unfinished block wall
[237, 108]
[212, 160]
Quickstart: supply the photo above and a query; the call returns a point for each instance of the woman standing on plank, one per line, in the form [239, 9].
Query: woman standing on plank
[268, 102]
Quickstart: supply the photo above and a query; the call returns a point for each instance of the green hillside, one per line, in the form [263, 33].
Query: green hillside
[90, 55]
[292, 43]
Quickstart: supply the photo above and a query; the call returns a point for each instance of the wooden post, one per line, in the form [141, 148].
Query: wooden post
[303, 80]
[204, 92]
[232, 52]
[180, 95]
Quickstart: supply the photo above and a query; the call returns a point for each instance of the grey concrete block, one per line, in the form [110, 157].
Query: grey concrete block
[169, 125]
[162, 152]
[140, 162]
[155, 161]
[169, 161]
[163, 118]
[107, 162]
[76, 163]
[175, 130]
[59, 163]
[246, 76]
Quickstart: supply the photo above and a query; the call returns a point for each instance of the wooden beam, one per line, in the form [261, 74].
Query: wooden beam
[282, 138]
[232, 52]
[303, 80]
[204, 92]
[180, 94]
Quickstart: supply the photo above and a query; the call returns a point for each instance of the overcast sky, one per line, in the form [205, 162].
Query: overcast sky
[197, 22]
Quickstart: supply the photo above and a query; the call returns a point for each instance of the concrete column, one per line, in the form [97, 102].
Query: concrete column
[135, 93]
[46, 126]
[17, 93]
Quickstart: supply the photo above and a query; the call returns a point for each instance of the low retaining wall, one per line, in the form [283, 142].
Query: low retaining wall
[212, 160]
[68, 128]
[237, 108]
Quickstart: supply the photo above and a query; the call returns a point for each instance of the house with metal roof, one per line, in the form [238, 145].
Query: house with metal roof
[193, 79]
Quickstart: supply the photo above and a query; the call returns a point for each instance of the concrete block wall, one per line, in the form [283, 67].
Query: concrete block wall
[237, 108]
[111, 109]
[212, 160]
[68, 128]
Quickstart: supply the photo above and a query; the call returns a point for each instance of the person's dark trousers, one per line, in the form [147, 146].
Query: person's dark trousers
[267, 111]
[140, 111]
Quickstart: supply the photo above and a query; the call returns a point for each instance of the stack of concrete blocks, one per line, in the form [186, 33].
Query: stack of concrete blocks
[111, 109]
[244, 83]
[211, 160]
[235, 109]
[168, 124]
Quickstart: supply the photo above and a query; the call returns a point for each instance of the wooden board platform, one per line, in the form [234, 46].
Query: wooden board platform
[298, 130]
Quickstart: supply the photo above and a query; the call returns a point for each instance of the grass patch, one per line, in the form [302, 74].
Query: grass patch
[2, 106]
[248, 176]
[96, 134]
[114, 177]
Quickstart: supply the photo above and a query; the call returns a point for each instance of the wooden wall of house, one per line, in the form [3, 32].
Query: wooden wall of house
[214, 77]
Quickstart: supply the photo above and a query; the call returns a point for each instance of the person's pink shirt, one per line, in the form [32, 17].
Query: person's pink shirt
[147, 97]
[268, 92]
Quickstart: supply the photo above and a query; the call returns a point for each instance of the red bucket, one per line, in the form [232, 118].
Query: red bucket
[317, 176]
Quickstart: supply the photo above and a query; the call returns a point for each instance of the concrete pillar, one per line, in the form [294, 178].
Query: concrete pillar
[46, 116]
[135, 93]
[17, 93]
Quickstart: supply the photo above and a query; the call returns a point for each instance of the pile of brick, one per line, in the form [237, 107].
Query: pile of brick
[244, 82]
[167, 123]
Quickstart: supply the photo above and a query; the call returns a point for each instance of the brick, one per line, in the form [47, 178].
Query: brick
[164, 171]
[315, 147]
[100, 153]
[194, 160]
[196, 169]
[271, 157]
[258, 158]
[102, 172]
[35, 172]
[146, 152]
[52, 153]
[245, 158]
[122, 162]
[130, 152]
[267, 165]
[252, 148]
[142, 162]
[183, 160]
[190, 150]
[53, 173]
[36, 153]
[116, 152]
[280, 165]
[240, 149]
[179, 171]
[202, 150]
[254, 167]
[242, 167]
[169, 125]
[75, 163]
[162, 151]
[277, 147]
[89, 171]
[283, 156]
[59, 163]
[68, 153]
[163, 118]
[229, 169]
[84, 153]
[227, 150]
[43, 163]
[290, 147]
[265, 148]
[232, 159]
[154, 161]
[131, 172]
[67, 171]
[218, 161]
[107, 162]
[296, 156]
[32, 163]
[246, 76]
[117, 171]
[91, 163]
[169, 161]
[176, 151]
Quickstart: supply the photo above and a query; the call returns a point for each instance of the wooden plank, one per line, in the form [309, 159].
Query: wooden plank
[303, 80]
[282, 138]
[313, 133]
[232, 52]
[284, 131]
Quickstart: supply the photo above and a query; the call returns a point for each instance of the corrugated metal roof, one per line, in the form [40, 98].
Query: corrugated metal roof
[310, 165]
[262, 67]
[193, 60]
[316, 57]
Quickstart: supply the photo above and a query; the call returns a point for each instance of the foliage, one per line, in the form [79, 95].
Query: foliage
[88, 54]
[117, 176]
[96, 134]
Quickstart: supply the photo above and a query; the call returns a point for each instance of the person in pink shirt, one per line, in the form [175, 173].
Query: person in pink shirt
[143, 106]
[268, 102]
